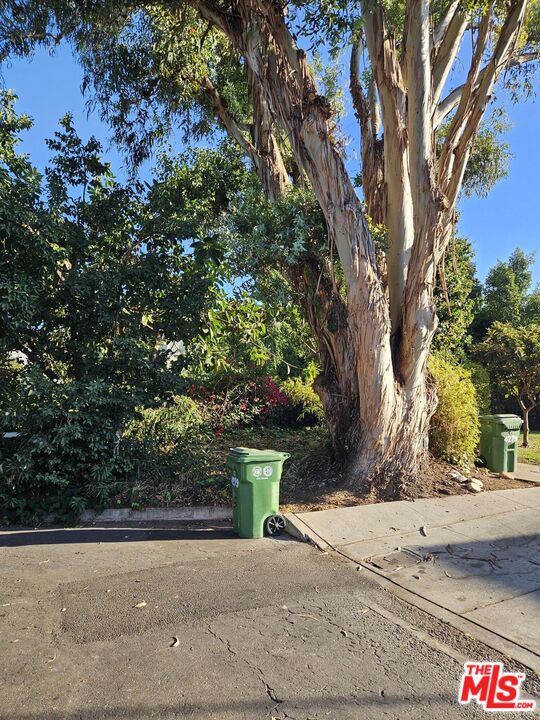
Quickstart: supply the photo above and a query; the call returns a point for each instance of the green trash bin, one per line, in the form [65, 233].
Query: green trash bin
[255, 491]
[499, 441]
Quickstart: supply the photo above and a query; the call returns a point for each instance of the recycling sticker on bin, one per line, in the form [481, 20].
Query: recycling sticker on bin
[234, 481]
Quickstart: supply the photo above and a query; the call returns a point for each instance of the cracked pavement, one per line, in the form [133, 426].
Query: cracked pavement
[266, 629]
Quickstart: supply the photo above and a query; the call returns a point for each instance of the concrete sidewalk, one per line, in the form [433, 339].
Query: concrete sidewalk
[529, 473]
[475, 556]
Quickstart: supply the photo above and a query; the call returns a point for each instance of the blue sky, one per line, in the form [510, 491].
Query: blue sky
[49, 86]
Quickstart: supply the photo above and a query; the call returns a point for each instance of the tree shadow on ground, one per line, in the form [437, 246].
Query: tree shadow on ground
[464, 574]
[301, 708]
[124, 534]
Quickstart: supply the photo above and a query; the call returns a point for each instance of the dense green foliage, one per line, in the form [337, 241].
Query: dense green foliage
[482, 385]
[458, 300]
[454, 429]
[67, 457]
[303, 399]
[111, 306]
[169, 447]
[98, 292]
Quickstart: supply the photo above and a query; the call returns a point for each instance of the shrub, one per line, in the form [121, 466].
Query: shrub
[242, 402]
[482, 386]
[454, 429]
[304, 401]
[163, 427]
[167, 442]
[67, 457]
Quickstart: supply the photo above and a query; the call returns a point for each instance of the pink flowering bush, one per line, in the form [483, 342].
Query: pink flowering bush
[248, 402]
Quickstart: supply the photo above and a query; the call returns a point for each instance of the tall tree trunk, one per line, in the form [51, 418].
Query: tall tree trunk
[326, 314]
[392, 447]
[378, 420]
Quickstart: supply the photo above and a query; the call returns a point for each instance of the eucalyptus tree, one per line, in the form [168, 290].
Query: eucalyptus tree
[369, 294]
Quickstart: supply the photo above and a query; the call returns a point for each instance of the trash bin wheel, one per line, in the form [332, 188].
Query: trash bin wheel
[275, 525]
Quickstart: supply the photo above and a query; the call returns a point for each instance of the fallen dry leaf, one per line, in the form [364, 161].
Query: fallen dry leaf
[175, 642]
[141, 604]
[423, 531]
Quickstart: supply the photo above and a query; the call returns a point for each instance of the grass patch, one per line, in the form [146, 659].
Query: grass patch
[531, 454]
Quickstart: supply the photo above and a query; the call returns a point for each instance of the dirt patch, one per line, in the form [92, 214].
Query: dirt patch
[436, 480]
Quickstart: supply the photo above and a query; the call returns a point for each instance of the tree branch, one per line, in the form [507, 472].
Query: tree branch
[366, 111]
[374, 108]
[232, 126]
[262, 149]
[419, 121]
[475, 97]
[399, 217]
[452, 100]
[217, 17]
[446, 106]
[269, 163]
[446, 50]
[441, 30]
[359, 100]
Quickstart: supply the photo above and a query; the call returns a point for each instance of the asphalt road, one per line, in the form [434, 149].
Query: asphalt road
[263, 629]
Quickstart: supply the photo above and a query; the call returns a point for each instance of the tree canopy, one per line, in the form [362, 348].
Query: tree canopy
[513, 356]
[508, 295]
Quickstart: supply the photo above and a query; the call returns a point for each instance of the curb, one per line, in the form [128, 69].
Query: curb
[199, 512]
[298, 529]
